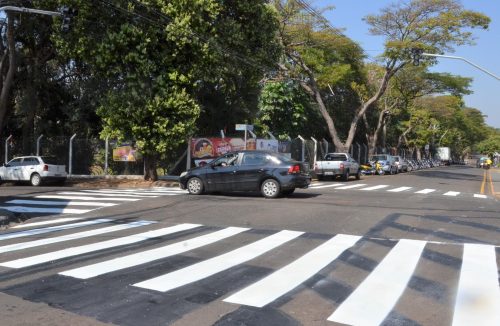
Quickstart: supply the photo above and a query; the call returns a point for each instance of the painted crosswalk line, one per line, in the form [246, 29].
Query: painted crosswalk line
[480, 196]
[400, 189]
[74, 236]
[126, 193]
[478, 295]
[375, 187]
[27, 233]
[375, 297]
[85, 198]
[352, 186]
[451, 193]
[80, 193]
[217, 264]
[425, 191]
[75, 251]
[289, 277]
[48, 222]
[44, 210]
[327, 186]
[59, 203]
[151, 255]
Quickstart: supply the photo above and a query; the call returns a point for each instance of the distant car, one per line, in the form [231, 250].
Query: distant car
[35, 169]
[387, 161]
[401, 163]
[337, 164]
[270, 173]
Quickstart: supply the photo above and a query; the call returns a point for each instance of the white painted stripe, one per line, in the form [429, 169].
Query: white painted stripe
[69, 252]
[375, 297]
[289, 277]
[58, 220]
[28, 233]
[328, 186]
[478, 296]
[128, 193]
[375, 187]
[144, 257]
[59, 203]
[68, 237]
[451, 193]
[45, 210]
[217, 264]
[480, 196]
[85, 198]
[317, 184]
[167, 190]
[425, 191]
[79, 193]
[400, 189]
[352, 186]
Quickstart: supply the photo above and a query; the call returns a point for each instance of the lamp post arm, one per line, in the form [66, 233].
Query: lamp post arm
[30, 10]
[463, 59]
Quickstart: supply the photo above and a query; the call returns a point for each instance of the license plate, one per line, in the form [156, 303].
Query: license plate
[328, 173]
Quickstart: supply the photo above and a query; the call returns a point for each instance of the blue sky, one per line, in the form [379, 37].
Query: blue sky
[348, 15]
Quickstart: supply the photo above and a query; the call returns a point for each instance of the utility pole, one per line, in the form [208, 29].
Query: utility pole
[460, 58]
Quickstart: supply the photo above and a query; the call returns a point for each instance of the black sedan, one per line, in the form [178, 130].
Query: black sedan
[270, 173]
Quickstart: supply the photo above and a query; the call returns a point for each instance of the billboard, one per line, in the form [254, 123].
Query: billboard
[125, 153]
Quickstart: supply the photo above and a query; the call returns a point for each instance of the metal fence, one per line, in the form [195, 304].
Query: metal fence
[92, 156]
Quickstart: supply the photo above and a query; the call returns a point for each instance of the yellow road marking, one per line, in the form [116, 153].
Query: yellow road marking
[483, 183]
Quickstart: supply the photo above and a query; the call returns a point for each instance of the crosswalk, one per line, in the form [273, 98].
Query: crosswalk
[392, 189]
[83, 201]
[370, 300]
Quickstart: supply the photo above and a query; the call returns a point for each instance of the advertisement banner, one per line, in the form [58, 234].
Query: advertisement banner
[205, 148]
[125, 153]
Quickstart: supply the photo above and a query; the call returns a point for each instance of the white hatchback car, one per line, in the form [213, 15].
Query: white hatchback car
[35, 169]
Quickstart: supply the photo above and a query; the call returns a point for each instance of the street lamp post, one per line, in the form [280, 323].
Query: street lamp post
[463, 59]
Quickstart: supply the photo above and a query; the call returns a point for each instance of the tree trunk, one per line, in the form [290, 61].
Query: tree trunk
[9, 78]
[150, 163]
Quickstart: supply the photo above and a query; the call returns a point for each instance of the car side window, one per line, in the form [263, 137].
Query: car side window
[254, 159]
[30, 161]
[15, 162]
[227, 160]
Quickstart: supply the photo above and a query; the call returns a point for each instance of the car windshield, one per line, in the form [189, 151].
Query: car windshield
[379, 158]
[52, 160]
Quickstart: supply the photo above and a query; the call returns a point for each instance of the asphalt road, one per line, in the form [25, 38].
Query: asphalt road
[421, 248]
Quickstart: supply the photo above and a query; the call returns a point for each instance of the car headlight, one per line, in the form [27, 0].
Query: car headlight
[183, 173]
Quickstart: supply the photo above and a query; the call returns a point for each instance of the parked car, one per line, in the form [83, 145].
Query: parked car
[387, 161]
[337, 164]
[35, 169]
[401, 164]
[270, 173]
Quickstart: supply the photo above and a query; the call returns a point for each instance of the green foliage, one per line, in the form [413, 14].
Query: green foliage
[491, 145]
[285, 110]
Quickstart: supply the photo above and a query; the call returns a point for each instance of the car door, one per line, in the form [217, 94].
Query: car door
[13, 169]
[251, 171]
[29, 165]
[220, 173]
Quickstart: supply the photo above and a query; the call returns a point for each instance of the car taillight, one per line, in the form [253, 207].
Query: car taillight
[341, 166]
[45, 167]
[294, 169]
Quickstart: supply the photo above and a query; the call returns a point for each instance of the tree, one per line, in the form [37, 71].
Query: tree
[431, 25]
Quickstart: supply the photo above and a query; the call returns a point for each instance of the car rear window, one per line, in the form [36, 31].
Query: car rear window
[52, 160]
[379, 158]
[335, 158]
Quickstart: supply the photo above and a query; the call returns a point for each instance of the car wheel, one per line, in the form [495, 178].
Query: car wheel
[345, 176]
[288, 192]
[35, 180]
[194, 186]
[358, 175]
[270, 188]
